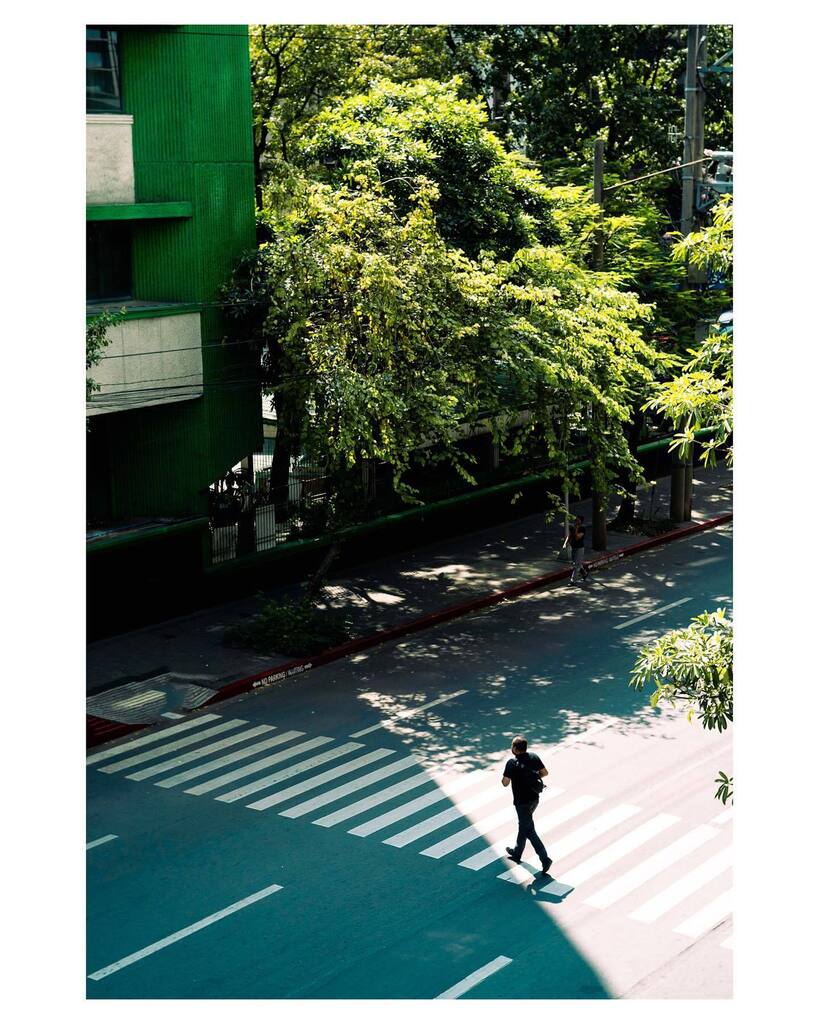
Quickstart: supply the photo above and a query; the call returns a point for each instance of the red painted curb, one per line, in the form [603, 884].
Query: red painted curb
[99, 730]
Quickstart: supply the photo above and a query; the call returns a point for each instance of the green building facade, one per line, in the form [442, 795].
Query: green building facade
[169, 210]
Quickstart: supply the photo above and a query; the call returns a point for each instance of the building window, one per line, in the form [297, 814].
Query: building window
[107, 261]
[102, 79]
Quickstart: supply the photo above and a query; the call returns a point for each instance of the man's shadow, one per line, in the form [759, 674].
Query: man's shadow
[544, 888]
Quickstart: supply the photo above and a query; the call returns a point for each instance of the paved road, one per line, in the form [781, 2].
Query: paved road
[341, 836]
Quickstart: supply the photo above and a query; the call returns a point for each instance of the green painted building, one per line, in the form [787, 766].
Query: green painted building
[169, 209]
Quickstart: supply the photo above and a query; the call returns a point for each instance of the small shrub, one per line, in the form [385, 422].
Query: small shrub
[292, 627]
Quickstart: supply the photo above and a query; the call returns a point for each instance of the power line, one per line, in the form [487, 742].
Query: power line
[666, 170]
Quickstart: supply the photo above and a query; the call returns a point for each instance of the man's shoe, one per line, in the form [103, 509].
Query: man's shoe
[511, 855]
[547, 865]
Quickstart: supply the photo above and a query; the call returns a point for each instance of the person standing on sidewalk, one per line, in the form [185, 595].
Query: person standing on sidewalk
[577, 539]
[525, 773]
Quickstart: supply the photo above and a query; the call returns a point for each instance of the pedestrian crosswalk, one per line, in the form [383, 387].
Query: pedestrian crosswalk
[654, 867]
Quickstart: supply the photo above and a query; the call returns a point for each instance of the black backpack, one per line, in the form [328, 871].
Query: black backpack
[532, 779]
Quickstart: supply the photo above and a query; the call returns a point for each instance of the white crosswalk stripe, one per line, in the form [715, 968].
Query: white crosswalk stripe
[256, 766]
[167, 748]
[723, 817]
[144, 741]
[498, 849]
[444, 790]
[232, 758]
[423, 828]
[339, 792]
[318, 780]
[729, 943]
[467, 835]
[288, 773]
[685, 886]
[368, 802]
[709, 916]
[195, 755]
[651, 867]
[591, 831]
[565, 813]
[618, 849]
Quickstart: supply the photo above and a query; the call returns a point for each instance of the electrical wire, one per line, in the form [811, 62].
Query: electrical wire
[666, 170]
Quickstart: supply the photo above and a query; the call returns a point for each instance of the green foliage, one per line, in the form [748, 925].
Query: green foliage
[695, 666]
[398, 136]
[713, 247]
[96, 339]
[292, 627]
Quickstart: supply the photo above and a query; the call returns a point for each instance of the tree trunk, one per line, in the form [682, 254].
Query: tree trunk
[287, 438]
[677, 510]
[689, 486]
[315, 584]
[625, 514]
[599, 531]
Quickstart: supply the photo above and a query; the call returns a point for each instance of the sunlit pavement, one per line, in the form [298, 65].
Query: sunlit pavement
[342, 836]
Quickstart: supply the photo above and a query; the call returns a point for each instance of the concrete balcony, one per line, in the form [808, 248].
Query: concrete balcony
[109, 158]
[154, 357]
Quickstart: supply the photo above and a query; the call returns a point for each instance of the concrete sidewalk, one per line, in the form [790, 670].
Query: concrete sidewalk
[178, 664]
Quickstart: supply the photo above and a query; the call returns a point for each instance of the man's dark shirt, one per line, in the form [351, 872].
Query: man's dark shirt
[519, 770]
[577, 536]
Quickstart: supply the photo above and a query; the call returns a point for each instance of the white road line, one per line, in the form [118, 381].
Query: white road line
[586, 833]
[475, 978]
[685, 886]
[257, 766]
[723, 817]
[651, 867]
[618, 849]
[143, 741]
[706, 561]
[423, 828]
[344, 813]
[444, 790]
[407, 713]
[657, 611]
[568, 811]
[183, 933]
[99, 842]
[350, 787]
[287, 773]
[167, 748]
[171, 714]
[318, 780]
[237, 755]
[470, 833]
[196, 755]
[497, 849]
[729, 943]
[709, 916]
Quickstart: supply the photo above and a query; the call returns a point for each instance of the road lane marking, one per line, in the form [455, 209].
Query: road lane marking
[167, 748]
[286, 773]
[423, 828]
[171, 714]
[257, 766]
[183, 933]
[475, 978]
[685, 886]
[729, 943]
[339, 792]
[723, 817]
[618, 849]
[444, 790]
[344, 813]
[470, 833]
[651, 867]
[407, 713]
[143, 741]
[236, 755]
[498, 849]
[708, 917]
[656, 611]
[318, 780]
[196, 755]
[99, 842]
[586, 833]
[706, 561]
[565, 813]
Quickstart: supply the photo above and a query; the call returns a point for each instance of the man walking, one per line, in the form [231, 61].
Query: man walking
[577, 538]
[525, 772]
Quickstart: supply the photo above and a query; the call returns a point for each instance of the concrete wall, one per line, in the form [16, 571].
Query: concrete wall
[142, 356]
[109, 158]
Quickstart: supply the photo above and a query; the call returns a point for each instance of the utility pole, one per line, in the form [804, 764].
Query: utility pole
[599, 499]
[682, 471]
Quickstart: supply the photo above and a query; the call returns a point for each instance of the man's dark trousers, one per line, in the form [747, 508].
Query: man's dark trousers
[526, 830]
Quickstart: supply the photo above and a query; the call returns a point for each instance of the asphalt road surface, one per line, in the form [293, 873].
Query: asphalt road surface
[342, 835]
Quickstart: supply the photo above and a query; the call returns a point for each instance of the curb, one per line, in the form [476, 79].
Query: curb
[99, 730]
